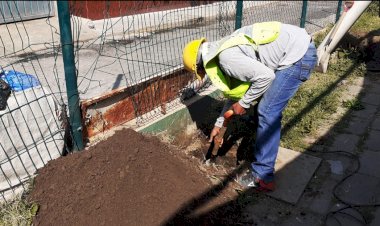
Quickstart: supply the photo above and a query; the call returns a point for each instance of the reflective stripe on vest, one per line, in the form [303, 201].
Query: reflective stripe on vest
[232, 88]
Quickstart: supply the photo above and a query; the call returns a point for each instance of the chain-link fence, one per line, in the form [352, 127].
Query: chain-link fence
[128, 66]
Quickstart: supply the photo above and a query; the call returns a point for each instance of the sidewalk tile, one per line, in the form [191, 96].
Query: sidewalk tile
[360, 189]
[376, 123]
[319, 200]
[345, 142]
[347, 217]
[357, 126]
[373, 141]
[375, 86]
[306, 219]
[371, 98]
[293, 171]
[376, 219]
[367, 112]
[369, 163]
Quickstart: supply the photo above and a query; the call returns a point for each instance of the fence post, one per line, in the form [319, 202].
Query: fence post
[70, 74]
[239, 14]
[303, 14]
[338, 10]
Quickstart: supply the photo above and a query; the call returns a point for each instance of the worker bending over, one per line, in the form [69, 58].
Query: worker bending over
[268, 60]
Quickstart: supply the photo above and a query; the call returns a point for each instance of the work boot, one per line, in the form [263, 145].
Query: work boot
[250, 181]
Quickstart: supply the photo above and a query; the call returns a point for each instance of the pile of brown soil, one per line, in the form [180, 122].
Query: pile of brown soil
[128, 179]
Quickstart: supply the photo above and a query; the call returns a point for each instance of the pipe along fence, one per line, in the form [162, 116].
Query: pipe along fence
[95, 64]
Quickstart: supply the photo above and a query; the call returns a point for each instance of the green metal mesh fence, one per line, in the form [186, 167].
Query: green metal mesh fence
[31, 124]
[320, 14]
[127, 50]
[123, 49]
[286, 12]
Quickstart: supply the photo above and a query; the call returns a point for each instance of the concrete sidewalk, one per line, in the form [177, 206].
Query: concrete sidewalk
[357, 133]
[352, 140]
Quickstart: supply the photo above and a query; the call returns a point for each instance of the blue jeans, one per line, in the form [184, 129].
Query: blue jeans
[273, 102]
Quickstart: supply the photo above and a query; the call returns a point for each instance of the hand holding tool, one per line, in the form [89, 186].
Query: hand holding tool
[218, 139]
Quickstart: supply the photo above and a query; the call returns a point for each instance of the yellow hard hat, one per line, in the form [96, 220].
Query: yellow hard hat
[189, 56]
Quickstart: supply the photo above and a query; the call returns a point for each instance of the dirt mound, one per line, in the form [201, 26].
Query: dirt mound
[128, 179]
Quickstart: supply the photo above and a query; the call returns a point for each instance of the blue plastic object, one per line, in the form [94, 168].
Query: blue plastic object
[19, 81]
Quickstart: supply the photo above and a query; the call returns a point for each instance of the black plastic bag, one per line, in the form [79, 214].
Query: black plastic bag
[5, 92]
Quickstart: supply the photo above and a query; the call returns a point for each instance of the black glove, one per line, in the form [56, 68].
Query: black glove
[5, 92]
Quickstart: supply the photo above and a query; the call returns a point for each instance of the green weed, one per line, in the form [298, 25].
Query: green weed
[353, 104]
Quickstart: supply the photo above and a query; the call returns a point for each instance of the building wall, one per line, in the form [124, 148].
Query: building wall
[96, 10]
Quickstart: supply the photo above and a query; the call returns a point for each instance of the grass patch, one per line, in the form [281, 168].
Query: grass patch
[315, 102]
[320, 35]
[17, 212]
[368, 21]
[319, 98]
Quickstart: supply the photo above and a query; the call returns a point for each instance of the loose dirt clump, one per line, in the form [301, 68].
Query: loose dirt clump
[128, 179]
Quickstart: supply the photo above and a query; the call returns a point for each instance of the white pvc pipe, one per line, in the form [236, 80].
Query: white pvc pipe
[336, 34]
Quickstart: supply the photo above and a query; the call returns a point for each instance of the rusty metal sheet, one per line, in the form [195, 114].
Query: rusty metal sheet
[124, 104]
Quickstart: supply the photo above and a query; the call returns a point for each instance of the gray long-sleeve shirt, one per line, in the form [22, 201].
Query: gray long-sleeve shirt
[241, 62]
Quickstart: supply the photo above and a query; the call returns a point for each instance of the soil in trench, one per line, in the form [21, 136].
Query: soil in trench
[133, 179]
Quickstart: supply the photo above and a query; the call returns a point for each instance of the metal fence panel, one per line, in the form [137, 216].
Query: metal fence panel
[320, 14]
[142, 49]
[33, 124]
[14, 11]
[286, 12]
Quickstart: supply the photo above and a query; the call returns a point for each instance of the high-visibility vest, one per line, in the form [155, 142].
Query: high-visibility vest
[259, 34]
